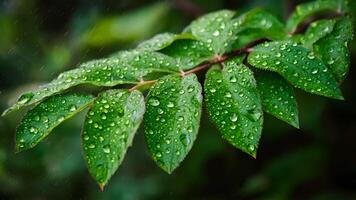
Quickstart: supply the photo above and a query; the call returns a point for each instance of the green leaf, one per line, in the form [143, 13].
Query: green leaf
[257, 24]
[42, 119]
[307, 10]
[216, 30]
[189, 53]
[109, 129]
[278, 97]
[297, 65]
[334, 48]
[162, 41]
[172, 119]
[127, 67]
[234, 105]
[316, 31]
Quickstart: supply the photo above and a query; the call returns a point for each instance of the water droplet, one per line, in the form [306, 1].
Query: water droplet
[330, 62]
[311, 55]
[170, 105]
[233, 79]
[233, 118]
[25, 98]
[254, 114]
[160, 111]
[106, 149]
[314, 71]
[154, 102]
[86, 137]
[73, 108]
[185, 139]
[33, 130]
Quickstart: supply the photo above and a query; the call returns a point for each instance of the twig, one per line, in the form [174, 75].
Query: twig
[216, 60]
[142, 83]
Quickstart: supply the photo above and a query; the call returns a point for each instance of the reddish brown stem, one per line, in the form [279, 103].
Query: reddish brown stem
[216, 60]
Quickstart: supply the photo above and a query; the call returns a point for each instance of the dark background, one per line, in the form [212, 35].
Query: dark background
[40, 39]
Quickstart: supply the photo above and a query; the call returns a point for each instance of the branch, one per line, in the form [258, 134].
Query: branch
[216, 60]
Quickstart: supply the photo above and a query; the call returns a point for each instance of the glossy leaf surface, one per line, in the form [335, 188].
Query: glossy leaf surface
[278, 97]
[109, 129]
[216, 30]
[123, 68]
[172, 119]
[42, 119]
[334, 48]
[234, 105]
[296, 64]
[309, 9]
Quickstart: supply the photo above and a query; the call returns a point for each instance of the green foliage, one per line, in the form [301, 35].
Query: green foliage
[172, 119]
[122, 68]
[236, 93]
[316, 31]
[109, 129]
[278, 97]
[189, 53]
[310, 9]
[257, 24]
[216, 30]
[297, 65]
[42, 119]
[334, 50]
[234, 105]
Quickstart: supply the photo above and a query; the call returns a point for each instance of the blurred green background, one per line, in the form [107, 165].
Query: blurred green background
[41, 38]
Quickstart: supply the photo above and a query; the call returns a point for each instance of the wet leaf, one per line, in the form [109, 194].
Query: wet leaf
[309, 9]
[127, 67]
[42, 119]
[162, 41]
[257, 24]
[316, 31]
[189, 53]
[334, 48]
[109, 129]
[278, 97]
[234, 105]
[172, 119]
[216, 30]
[297, 65]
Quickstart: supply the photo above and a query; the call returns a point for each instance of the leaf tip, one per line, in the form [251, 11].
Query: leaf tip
[101, 186]
[254, 154]
[340, 97]
[19, 149]
[168, 170]
[5, 112]
[295, 123]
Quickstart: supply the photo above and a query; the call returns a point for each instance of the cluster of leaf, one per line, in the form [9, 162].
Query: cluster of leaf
[240, 86]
